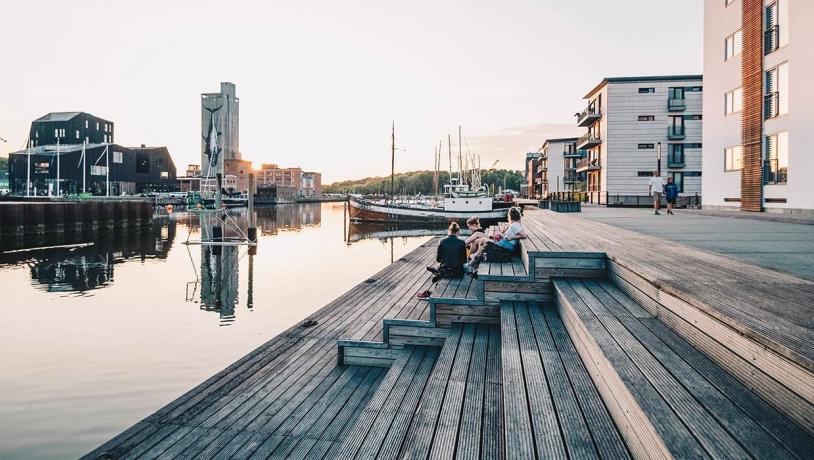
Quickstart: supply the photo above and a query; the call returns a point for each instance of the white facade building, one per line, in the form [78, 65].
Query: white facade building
[560, 157]
[630, 121]
[757, 148]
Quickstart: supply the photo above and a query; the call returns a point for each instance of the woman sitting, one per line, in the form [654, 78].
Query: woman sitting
[501, 242]
[451, 255]
[473, 242]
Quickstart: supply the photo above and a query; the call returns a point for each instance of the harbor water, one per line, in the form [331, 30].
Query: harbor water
[96, 338]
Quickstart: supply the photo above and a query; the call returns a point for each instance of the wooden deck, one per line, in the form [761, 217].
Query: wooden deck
[595, 342]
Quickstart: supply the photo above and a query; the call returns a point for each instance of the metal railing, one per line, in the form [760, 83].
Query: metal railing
[588, 115]
[588, 138]
[771, 105]
[676, 104]
[588, 163]
[771, 39]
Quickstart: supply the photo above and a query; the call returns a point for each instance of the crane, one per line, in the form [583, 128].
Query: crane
[493, 165]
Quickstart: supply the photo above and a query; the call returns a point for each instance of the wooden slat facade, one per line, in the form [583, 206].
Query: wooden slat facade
[752, 115]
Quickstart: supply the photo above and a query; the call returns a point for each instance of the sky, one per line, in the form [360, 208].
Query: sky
[320, 82]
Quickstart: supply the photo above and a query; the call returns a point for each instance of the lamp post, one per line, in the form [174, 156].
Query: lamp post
[658, 158]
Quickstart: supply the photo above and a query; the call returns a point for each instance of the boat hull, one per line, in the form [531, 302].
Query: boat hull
[365, 211]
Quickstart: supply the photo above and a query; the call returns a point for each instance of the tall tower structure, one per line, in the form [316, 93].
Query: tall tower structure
[220, 123]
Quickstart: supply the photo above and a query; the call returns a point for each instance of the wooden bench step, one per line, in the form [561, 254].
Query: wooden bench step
[551, 407]
[668, 398]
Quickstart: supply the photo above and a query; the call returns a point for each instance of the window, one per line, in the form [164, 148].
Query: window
[98, 170]
[733, 101]
[694, 89]
[692, 173]
[646, 146]
[733, 158]
[675, 92]
[692, 146]
[87, 140]
[159, 162]
[645, 174]
[86, 124]
[733, 45]
[647, 90]
[776, 95]
[692, 117]
[678, 179]
[41, 168]
[647, 118]
[771, 34]
[165, 174]
[97, 126]
[77, 134]
[37, 134]
[117, 157]
[675, 155]
[776, 163]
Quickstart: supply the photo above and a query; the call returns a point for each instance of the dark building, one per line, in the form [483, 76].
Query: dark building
[132, 170]
[70, 128]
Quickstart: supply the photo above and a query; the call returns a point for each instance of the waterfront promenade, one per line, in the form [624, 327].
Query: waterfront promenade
[595, 342]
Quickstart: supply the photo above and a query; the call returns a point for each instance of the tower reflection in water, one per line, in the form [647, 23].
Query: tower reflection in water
[219, 280]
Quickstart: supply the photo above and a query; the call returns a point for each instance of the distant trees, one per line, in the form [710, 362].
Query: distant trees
[416, 182]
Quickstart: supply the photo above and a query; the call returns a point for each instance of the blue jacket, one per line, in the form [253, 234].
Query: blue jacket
[670, 191]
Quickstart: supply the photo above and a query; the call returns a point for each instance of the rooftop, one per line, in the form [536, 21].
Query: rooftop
[643, 79]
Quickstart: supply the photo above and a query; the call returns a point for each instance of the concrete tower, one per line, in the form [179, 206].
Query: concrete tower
[220, 123]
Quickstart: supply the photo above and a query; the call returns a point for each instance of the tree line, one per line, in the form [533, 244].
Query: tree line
[415, 182]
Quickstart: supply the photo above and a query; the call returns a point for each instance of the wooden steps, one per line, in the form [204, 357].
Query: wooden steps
[453, 408]
[551, 407]
[668, 398]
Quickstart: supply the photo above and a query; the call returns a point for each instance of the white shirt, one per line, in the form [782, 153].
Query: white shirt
[656, 184]
[514, 230]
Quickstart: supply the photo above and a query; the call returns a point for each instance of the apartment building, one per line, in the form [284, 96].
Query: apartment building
[758, 105]
[636, 125]
[559, 170]
[530, 188]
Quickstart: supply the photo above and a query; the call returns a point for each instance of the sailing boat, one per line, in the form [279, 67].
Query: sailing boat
[460, 200]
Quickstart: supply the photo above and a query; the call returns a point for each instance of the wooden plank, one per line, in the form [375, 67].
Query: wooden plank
[545, 426]
[518, 434]
[419, 436]
[469, 431]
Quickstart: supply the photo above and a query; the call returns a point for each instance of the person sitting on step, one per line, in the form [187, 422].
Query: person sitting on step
[473, 241]
[500, 247]
[451, 256]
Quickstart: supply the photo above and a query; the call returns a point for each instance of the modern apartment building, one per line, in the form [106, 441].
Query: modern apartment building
[559, 170]
[532, 186]
[220, 129]
[758, 105]
[636, 125]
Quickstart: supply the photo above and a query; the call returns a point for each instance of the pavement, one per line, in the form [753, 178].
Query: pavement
[779, 245]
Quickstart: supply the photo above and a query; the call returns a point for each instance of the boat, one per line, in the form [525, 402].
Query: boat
[461, 201]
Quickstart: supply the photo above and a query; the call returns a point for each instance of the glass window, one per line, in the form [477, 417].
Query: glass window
[646, 146]
[77, 134]
[776, 162]
[117, 157]
[678, 179]
[733, 45]
[647, 90]
[733, 101]
[733, 158]
[675, 154]
[647, 117]
[98, 170]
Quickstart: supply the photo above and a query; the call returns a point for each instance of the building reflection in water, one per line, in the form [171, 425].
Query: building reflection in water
[81, 269]
[219, 282]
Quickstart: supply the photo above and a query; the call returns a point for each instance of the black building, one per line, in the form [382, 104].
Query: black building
[131, 170]
[70, 128]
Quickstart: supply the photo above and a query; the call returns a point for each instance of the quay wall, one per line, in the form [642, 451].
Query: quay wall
[19, 218]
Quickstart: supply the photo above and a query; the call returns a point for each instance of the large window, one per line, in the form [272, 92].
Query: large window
[98, 170]
[675, 155]
[733, 45]
[733, 101]
[117, 157]
[733, 158]
[776, 162]
[776, 91]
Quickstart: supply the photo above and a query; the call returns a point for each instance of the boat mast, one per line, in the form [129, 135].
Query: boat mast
[449, 147]
[392, 161]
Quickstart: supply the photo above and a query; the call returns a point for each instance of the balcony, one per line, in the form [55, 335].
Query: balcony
[588, 164]
[676, 133]
[589, 140]
[575, 154]
[771, 105]
[771, 39]
[588, 117]
[676, 105]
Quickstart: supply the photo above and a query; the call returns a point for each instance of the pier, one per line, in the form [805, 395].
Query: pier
[594, 342]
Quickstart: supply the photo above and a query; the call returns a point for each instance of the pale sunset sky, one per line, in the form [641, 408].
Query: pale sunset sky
[319, 82]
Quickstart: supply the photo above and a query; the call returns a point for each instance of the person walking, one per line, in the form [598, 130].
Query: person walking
[671, 195]
[655, 189]
[451, 256]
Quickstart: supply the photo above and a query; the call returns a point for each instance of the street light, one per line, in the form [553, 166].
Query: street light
[658, 158]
